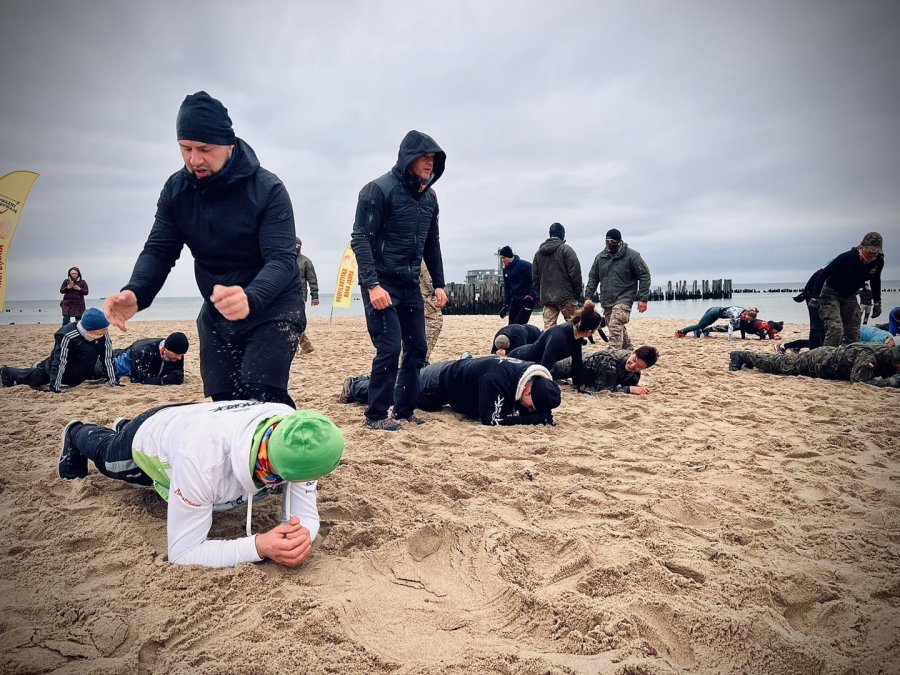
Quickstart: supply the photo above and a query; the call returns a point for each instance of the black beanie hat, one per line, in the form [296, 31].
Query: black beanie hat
[204, 119]
[545, 394]
[506, 252]
[614, 234]
[177, 343]
[558, 231]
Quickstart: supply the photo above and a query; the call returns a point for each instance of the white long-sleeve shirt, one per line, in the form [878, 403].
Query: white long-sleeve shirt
[204, 450]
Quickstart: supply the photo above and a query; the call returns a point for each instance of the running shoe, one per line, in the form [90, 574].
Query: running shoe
[71, 463]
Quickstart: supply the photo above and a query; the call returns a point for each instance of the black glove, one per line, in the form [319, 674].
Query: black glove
[876, 310]
[529, 418]
[55, 390]
[503, 311]
[800, 297]
[580, 299]
[813, 303]
[603, 335]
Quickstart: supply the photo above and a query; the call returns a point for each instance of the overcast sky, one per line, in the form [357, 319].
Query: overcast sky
[747, 140]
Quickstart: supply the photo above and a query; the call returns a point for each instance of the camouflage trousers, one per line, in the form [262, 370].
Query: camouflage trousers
[305, 345]
[841, 316]
[616, 318]
[781, 364]
[434, 321]
[551, 313]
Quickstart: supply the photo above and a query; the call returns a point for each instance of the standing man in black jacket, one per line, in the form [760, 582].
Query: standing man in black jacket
[236, 218]
[518, 287]
[396, 227]
[835, 292]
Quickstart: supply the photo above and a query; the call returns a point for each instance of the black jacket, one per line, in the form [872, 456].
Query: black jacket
[396, 226]
[519, 334]
[238, 225]
[148, 366]
[488, 388]
[554, 344]
[846, 274]
[517, 281]
[73, 358]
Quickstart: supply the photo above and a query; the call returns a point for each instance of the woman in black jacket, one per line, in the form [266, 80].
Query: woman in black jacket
[563, 341]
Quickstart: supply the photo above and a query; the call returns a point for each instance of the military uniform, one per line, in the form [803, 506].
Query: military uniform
[875, 364]
[601, 371]
[434, 319]
[307, 278]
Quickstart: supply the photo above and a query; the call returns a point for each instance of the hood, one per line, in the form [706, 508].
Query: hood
[534, 370]
[549, 247]
[243, 163]
[76, 269]
[618, 254]
[414, 145]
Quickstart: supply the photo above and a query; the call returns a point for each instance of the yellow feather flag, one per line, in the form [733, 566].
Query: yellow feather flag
[14, 189]
[343, 290]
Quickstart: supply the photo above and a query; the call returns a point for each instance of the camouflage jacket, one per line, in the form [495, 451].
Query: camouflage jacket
[857, 362]
[602, 371]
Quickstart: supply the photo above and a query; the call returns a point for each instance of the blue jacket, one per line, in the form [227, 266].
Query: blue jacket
[239, 226]
[517, 281]
[396, 224]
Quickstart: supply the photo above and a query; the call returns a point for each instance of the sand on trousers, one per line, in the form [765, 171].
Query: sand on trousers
[735, 522]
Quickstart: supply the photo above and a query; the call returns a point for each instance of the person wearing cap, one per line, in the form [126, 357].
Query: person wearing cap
[834, 294]
[611, 370]
[556, 273]
[308, 279]
[734, 315]
[77, 347]
[514, 335]
[563, 341]
[236, 219]
[867, 362]
[152, 361]
[518, 287]
[621, 276]
[498, 391]
[395, 229]
[208, 457]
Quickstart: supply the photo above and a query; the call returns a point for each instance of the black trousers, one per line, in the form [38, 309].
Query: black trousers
[430, 397]
[520, 311]
[110, 450]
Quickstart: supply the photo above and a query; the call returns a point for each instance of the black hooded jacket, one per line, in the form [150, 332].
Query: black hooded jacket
[239, 226]
[488, 388]
[554, 344]
[519, 334]
[396, 225]
[148, 366]
[74, 356]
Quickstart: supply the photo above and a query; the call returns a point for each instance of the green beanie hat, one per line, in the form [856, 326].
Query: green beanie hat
[305, 446]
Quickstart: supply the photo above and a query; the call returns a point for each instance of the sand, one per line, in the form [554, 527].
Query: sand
[728, 522]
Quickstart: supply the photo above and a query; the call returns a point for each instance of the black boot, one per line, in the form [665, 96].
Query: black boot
[71, 463]
[738, 361]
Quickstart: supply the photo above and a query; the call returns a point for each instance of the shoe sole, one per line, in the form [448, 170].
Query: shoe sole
[62, 446]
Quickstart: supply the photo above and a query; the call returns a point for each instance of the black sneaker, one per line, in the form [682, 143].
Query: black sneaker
[345, 392]
[5, 378]
[119, 423]
[71, 464]
[383, 425]
[737, 361]
[412, 419]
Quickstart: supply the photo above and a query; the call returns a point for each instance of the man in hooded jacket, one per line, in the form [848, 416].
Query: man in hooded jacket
[236, 218]
[395, 229]
[556, 272]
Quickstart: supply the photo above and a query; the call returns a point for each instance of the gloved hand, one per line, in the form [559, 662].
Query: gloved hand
[503, 311]
[55, 390]
[800, 297]
[876, 310]
[582, 390]
[813, 303]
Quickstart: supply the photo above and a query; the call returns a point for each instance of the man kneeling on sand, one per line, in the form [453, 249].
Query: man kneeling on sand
[206, 457]
[493, 389]
[613, 370]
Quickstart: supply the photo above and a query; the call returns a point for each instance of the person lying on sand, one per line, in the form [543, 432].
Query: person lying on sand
[874, 364]
[514, 335]
[206, 457]
[496, 390]
[152, 361]
[764, 330]
[613, 370]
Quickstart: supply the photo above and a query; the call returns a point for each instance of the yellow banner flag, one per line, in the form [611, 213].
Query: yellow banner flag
[343, 290]
[14, 189]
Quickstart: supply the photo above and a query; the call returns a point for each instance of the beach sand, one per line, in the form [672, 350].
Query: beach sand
[729, 522]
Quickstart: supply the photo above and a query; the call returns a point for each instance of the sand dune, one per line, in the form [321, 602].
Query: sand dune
[734, 522]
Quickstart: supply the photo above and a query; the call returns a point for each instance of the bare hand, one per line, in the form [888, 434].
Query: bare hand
[640, 391]
[642, 306]
[287, 544]
[379, 297]
[440, 298]
[501, 352]
[119, 308]
[231, 301]
[315, 302]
